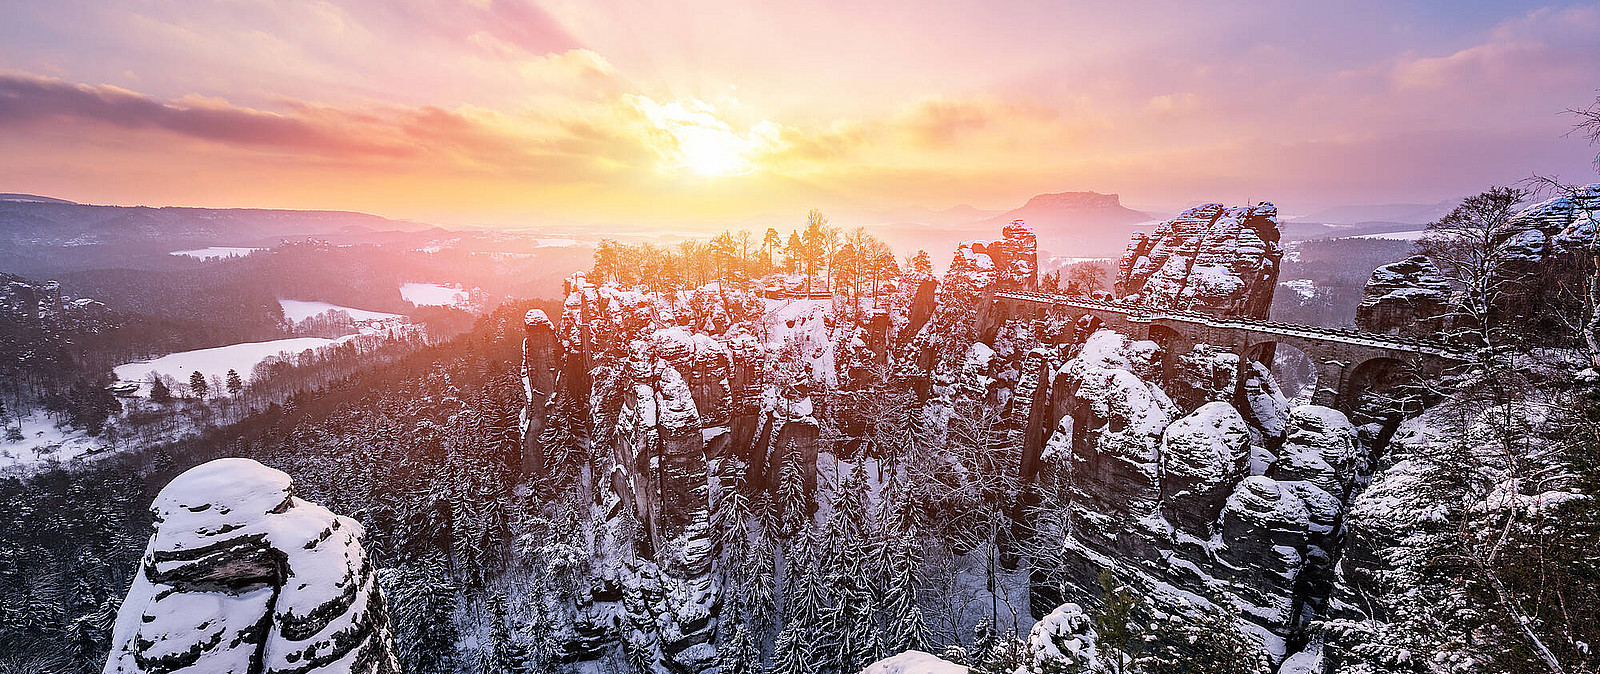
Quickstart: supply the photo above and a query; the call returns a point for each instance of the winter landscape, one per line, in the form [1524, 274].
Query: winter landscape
[512, 336]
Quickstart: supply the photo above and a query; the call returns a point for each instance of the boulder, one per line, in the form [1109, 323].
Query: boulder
[1203, 455]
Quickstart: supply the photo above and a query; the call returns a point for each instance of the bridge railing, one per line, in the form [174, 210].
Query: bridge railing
[1141, 313]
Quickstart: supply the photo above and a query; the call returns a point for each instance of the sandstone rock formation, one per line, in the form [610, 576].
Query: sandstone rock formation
[1211, 258]
[1564, 223]
[1229, 494]
[540, 362]
[1011, 262]
[667, 384]
[1409, 297]
[241, 576]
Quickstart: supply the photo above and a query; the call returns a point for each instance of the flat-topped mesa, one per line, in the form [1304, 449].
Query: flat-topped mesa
[241, 576]
[1009, 263]
[1211, 258]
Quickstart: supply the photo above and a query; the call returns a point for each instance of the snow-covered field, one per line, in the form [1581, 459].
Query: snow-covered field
[299, 310]
[1408, 235]
[432, 294]
[42, 442]
[241, 358]
[216, 252]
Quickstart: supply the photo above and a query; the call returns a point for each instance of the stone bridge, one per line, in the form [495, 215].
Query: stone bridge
[1347, 361]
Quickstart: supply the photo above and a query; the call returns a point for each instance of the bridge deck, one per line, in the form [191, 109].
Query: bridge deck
[1338, 335]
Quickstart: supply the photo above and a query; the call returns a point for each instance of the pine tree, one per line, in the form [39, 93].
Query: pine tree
[790, 654]
[160, 393]
[904, 626]
[1207, 642]
[424, 607]
[1117, 636]
[198, 385]
[235, 384]
[742, 653]
[504, 653]
[794, 513]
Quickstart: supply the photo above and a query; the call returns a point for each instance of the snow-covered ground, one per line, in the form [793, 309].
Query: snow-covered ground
[1304, 287]
[433, 294]
[241, 358]
[42, 442]
[299, 310]
[1408, 235]
[804, 321]
[216, 252]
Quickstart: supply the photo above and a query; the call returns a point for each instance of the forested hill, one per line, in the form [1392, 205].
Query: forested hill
[402, 447]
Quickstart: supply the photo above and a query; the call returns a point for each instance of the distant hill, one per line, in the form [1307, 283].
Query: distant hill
[1072, 209]
[42, 236]
[1077, 224]
[13, 196]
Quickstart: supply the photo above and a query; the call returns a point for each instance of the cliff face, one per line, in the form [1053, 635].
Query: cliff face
[1238, 498]
[1187, 476]
[241, 576]
[1211, 258]
[669, 384]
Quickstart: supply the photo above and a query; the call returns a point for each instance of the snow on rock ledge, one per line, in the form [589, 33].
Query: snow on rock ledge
[1210, 258]
[914, 662]
[241, 576]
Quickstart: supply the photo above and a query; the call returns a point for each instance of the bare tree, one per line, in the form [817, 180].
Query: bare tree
[1588, 125]
[1470, 245]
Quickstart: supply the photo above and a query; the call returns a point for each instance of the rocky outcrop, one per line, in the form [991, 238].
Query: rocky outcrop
[541, 359]
[1231, 493]
[1565, 223]
[1203, 455]
[1011, 262]
[1212, 258]
[1117, 420]
[241, 576]
[1409, 298]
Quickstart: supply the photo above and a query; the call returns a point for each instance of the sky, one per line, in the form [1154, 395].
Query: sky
[705, 113]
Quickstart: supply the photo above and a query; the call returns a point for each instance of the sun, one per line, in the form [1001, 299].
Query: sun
[690, 136]
[714, 153]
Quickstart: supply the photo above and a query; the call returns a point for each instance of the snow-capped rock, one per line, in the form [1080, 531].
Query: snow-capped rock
[1203, 454]
[1565, 223]
[914, 662]
[241, 576]
[1010, 262]
[1409, 297]
[1063, 640]
[1211, 258]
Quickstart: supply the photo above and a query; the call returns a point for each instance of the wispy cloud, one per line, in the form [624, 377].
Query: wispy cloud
[651, 110]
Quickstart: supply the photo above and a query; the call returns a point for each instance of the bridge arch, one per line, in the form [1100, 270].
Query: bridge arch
[1390, 378]
[1293, 367]
[1165, 336]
